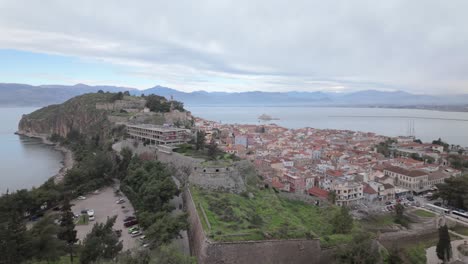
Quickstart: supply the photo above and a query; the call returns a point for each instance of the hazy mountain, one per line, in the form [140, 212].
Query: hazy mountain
[28, 95]
[360, 98]
[13, 94]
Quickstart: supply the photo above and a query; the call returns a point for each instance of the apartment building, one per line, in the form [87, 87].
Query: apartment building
[348, 192]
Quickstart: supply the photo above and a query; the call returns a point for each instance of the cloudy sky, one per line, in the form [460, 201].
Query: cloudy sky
[419, 46]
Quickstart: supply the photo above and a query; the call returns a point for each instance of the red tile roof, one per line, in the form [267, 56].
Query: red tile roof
[369, 190]
[316, 191]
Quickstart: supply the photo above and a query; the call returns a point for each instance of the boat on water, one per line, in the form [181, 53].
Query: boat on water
[265, 117]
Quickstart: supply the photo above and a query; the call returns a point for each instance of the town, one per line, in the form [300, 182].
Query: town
[356, 166]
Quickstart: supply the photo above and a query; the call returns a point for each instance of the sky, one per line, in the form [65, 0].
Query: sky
[418, 46]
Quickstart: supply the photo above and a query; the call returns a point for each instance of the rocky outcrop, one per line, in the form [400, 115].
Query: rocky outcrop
[77, 114]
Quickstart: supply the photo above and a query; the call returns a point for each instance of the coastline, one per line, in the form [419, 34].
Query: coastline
[67, 161]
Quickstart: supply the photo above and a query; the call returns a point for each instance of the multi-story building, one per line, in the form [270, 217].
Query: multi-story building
[158, 135]
[414, 180]
[348, 192]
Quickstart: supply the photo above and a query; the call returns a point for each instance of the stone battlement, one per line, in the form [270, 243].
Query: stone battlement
[220, 176]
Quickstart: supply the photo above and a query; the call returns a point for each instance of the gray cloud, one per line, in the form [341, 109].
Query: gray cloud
[418, 46]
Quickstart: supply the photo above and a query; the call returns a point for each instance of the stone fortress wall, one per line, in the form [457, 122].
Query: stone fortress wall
[218, 177]
[259, 252]
[122, 104]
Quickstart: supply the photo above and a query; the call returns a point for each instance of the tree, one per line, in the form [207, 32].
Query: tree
[14, 242]
[157, 103]
[399, 210]
[67, 231]
[101, 243]
[200, 140]
[100, 91]
[453, 191]
[126, 93]
[394, 256]
[212, 150]
[166, 228]
[361, 250]
[126, 157]
[45, 244]
[441, 143]
[342, 221]
[331, 197]
[118, 96]
[444, 248]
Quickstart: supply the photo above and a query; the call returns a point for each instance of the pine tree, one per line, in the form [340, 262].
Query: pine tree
[67, 224]
[101, 243]
[45, 244]
[444, 248]
[14, 242]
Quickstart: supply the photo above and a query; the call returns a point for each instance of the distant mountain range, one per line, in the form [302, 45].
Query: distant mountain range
[28, 95]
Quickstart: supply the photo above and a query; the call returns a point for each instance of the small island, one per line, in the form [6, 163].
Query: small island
[265, 117]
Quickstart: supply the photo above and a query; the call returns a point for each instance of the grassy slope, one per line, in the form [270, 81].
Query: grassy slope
[423, 213]
[281, 218]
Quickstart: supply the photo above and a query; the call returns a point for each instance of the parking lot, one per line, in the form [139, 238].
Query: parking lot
[104, 205]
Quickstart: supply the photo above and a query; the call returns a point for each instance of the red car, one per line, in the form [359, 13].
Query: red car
[131, 223]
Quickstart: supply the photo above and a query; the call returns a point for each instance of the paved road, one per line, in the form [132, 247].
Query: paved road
[104, 206]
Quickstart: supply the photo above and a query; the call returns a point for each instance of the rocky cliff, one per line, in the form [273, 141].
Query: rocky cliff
[77, 114]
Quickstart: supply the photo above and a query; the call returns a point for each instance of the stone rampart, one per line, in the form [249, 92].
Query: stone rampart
[259, 252]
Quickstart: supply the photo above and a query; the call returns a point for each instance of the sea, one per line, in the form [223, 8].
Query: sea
[426, 125]
[26, 162]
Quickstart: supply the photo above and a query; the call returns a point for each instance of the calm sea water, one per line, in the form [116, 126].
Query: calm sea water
[428, 125]
[24, 162]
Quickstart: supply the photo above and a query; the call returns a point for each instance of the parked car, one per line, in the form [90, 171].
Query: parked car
[142, 238]
[129, 218]
[90, 212]
[132, 229]
[131, 223]
[91, 218]
[410, 199]
[81, 198]
[438, 203]
[136, 233]
[120, 201]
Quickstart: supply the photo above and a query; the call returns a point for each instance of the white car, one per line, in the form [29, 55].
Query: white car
[81, 198]
[90, 212]
[136, 233]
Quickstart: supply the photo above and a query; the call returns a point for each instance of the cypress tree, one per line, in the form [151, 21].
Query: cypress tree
[444, 248]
